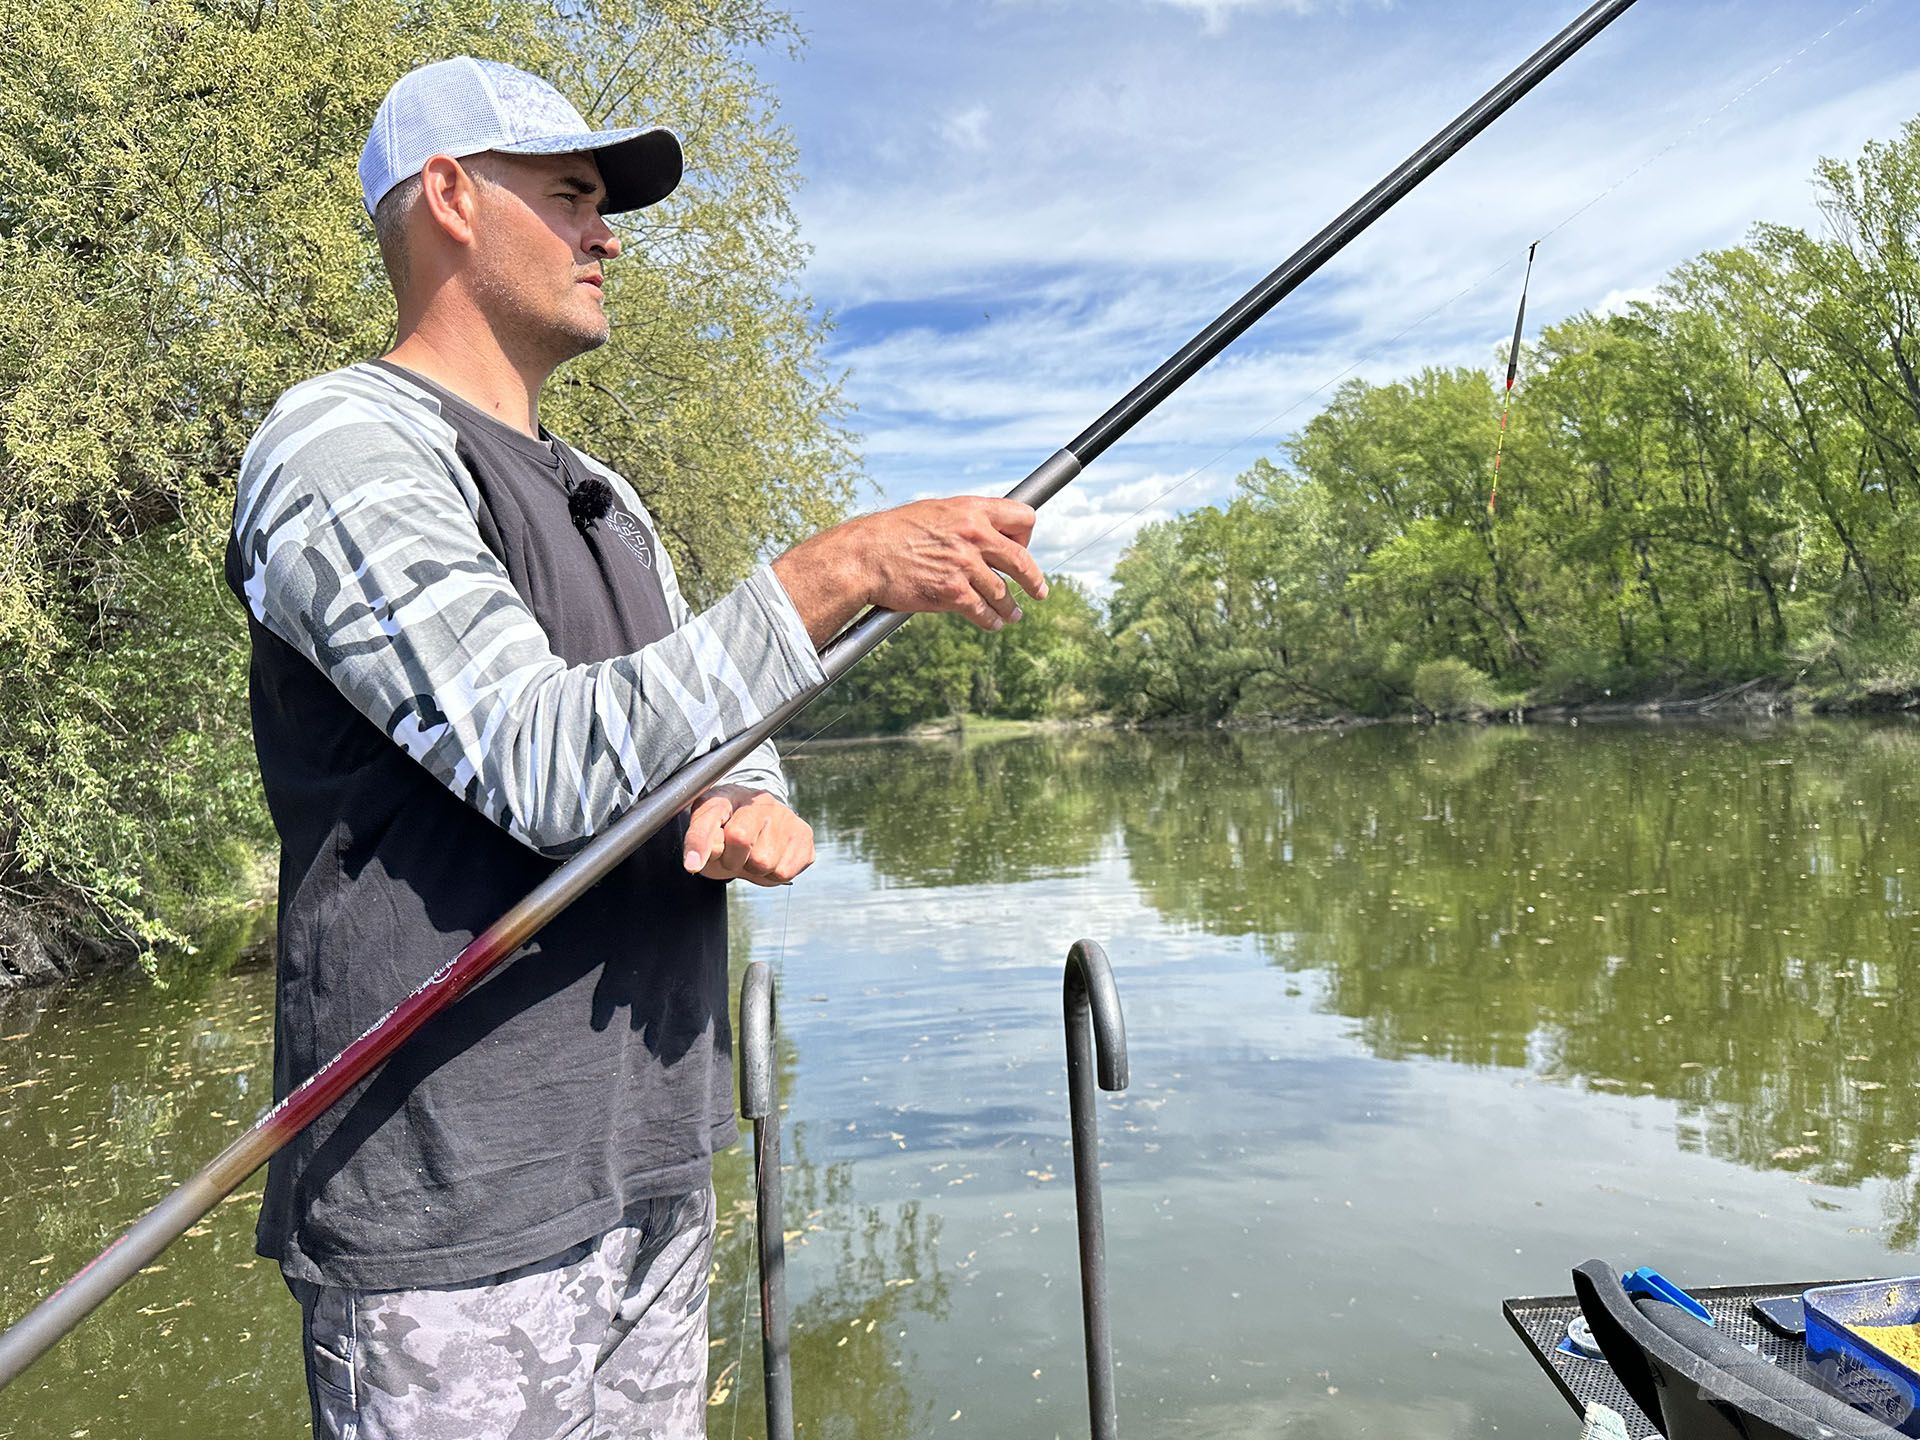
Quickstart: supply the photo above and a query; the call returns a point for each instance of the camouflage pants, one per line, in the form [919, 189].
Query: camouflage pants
[605, 1340]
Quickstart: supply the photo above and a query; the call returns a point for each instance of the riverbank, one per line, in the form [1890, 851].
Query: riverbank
[969, 729]
[36, 953]
[46, 951]
[1762, 695]
[50, 947]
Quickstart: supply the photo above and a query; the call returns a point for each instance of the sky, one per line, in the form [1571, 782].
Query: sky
[1018, 208]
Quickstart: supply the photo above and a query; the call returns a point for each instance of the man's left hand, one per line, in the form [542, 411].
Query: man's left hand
[738, 833]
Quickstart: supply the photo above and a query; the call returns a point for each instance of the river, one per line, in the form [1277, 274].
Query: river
[1418, 1019]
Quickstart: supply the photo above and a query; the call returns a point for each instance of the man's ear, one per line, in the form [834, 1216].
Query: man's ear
[451, 198]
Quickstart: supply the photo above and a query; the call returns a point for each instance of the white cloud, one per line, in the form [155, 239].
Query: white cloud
[1086, 528]
[1214, 13]
[966, 129]
[1618, 302]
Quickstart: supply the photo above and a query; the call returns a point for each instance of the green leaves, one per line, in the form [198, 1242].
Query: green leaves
[1050, 665]
[1719, 484]
[182, 238]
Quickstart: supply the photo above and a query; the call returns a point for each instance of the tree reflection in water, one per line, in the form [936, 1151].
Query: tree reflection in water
[855, 1274]
[1721, 916]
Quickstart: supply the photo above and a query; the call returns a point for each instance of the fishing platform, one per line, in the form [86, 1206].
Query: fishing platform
[1638, 1358]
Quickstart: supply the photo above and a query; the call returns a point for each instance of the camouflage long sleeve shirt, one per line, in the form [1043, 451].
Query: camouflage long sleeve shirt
[359, 546]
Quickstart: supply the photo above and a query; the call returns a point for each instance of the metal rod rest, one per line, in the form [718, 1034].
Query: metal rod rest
[1096, 1049]
[72, 1302]
[760, 1103]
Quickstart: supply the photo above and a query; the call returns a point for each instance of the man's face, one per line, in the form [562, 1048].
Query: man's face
[542, 241]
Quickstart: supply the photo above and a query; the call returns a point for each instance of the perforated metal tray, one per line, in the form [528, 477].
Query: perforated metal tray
[1541, 1321]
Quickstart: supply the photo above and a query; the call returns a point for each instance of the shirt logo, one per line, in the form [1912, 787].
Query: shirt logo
[634, 534]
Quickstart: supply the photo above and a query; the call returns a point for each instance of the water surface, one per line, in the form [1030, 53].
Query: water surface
[1418, 1019]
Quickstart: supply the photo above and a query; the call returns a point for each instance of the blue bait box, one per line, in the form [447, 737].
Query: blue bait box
[1849, 1363]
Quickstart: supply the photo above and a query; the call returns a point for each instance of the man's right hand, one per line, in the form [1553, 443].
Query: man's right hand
[933, 555]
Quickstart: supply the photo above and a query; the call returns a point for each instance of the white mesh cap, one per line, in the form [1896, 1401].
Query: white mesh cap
[463, 106]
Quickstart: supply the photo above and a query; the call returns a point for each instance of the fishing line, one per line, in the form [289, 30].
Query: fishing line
[1680, 139]
[786, 919]
[841, 714]
[1321, 389]
[1706, 120]
[740, 1360]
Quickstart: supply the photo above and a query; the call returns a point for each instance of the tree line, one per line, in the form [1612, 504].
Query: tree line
[1717, 485]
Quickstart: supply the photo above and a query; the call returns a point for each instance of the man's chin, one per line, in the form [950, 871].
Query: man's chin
[553, 339]
[581, 337]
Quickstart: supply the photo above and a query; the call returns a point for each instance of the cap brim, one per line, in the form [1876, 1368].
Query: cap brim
[639, 167]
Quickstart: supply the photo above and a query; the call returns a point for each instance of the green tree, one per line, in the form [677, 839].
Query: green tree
[1595, 459]
[181, 238]
[925, 671]
[1417, 456]
[1050, 664]
[1165, 623]
[1716, 486]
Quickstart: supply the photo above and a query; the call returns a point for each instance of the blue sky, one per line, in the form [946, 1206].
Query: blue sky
[1018, 207]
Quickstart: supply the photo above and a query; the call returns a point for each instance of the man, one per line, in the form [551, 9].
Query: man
[469, 656]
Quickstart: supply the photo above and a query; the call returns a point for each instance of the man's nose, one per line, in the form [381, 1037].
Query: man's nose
[603, 243]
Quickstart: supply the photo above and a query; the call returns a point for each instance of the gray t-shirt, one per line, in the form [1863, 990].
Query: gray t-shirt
[453, 684]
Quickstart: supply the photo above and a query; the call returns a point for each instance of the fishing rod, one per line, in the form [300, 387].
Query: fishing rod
[54, 1316]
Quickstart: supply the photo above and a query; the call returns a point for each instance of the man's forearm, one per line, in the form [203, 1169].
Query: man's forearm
[822, 578]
